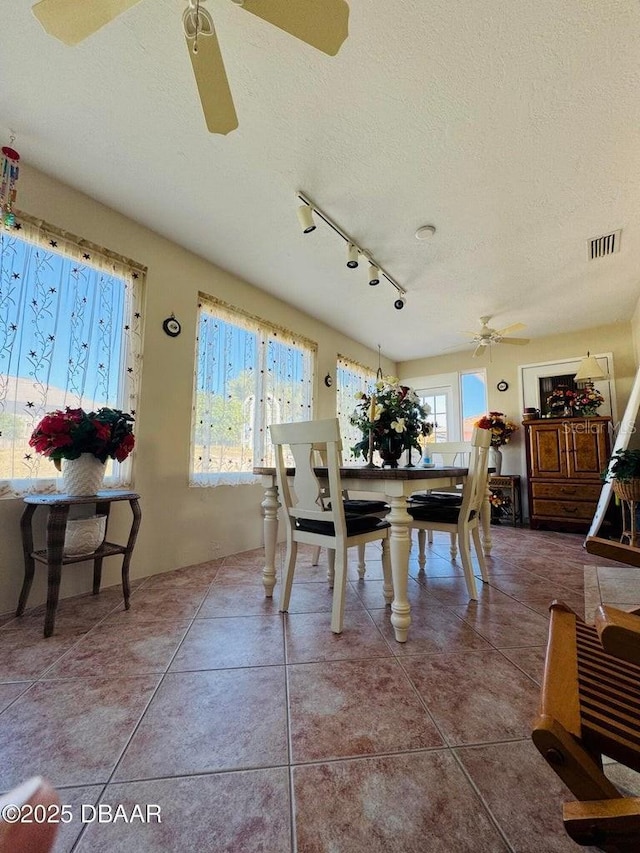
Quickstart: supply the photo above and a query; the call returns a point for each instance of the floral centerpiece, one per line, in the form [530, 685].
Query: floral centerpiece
[588, 400]
[501, 428]
[107, 433]
[393, 416]
[561, 402]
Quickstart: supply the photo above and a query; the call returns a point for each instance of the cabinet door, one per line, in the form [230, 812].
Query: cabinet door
[587, 449]
[548, 451]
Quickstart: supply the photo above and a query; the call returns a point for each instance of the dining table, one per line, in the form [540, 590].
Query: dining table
[397, 485]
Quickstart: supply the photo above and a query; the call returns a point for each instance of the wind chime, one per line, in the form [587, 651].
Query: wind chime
[8, 181]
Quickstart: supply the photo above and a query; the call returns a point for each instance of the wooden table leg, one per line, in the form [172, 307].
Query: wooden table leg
[133, 534]
[399, 542]
[270, 506]
[56, 526]
[29, 562]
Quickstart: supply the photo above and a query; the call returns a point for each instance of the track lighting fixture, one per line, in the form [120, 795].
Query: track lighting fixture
[306, 213]
[305, 218]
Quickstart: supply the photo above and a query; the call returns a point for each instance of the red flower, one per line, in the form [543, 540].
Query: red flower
[125, 448]
[65, 435]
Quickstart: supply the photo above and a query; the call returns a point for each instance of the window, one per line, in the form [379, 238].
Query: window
[438, 402]
[473, 393]
[249, 374]
[70, 335]
[351, 377]
[457, 400]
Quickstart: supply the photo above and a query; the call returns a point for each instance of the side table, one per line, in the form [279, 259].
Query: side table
[509, 484]
[52, 556]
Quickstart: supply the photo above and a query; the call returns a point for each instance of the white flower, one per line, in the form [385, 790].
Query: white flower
[398, 425]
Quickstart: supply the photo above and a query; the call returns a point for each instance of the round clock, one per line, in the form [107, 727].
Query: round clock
[328, 381]
[502, 385]
[172, 327]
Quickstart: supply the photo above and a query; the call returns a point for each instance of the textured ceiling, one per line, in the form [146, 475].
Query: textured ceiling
[512, 127]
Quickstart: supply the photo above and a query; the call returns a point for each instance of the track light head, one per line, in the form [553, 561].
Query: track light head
[374, 275]
[352, 256]
[400, 302]
[305, 217]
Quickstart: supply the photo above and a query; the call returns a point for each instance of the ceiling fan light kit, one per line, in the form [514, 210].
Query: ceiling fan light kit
[324, 26]
[305, 217]
[487, 336]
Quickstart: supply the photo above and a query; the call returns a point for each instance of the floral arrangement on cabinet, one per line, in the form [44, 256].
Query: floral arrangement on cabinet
[106, 433]
[588, 400]
[501, 428]
[395, 417]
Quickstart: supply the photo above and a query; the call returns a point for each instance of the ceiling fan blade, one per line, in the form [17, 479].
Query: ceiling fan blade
[211, 77]
[515, 327]
[71, 21]
[479, 350]
[519, 341]
[324, 24]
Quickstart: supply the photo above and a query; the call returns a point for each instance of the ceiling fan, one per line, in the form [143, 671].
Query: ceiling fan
[321, 23]
[487, 336]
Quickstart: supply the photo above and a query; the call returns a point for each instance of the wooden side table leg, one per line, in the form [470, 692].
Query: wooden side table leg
[133, 535]
[56, 526]
[29, 562]
[102, 508]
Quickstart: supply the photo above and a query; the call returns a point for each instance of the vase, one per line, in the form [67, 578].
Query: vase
[82, 477]
[84, 535]
[495, 460]
[589, 411]
[390, 448]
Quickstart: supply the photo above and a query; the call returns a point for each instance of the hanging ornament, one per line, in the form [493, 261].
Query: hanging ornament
[8, 179]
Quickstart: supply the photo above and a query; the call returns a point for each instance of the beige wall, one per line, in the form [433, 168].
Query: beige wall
[180, 525]
[506, 360]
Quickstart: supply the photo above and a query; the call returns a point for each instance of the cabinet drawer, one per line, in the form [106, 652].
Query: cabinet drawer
[566, 491]
[564, 509]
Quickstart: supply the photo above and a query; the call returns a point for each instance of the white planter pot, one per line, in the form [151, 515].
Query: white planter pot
[84, 535]
[82, 477]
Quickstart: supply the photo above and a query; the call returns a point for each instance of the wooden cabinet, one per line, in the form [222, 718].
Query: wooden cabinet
[565, 458]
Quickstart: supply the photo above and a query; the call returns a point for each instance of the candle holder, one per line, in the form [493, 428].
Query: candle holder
[409, 462]
[370, 463]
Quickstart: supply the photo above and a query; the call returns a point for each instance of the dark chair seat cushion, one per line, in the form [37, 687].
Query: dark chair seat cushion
[364, 507]
[443, 513]
[355, 524]
[440, 498]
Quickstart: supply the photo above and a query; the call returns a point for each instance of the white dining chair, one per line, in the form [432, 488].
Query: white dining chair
[313, 519]
[450, 454]
[460, 519]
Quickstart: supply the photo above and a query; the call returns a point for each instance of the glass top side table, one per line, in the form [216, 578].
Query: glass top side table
[52, 555]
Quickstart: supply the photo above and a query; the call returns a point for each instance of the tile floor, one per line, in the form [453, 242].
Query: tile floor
[259, 732]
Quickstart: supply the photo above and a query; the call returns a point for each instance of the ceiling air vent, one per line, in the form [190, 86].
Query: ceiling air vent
[599, 247]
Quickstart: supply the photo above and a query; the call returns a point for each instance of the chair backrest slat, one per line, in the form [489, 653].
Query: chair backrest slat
[474, 489]
[308, 441]
[451, 453]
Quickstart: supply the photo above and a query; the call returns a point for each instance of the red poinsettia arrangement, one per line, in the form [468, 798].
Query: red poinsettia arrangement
[67, 434]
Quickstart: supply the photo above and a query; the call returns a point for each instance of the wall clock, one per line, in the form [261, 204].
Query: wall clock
[172, 327]
[502, 385]
[328, 381]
